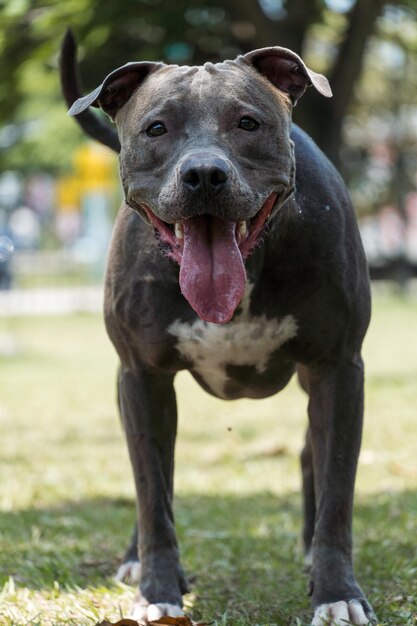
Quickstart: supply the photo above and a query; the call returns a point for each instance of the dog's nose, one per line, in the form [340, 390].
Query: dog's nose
[204, 175]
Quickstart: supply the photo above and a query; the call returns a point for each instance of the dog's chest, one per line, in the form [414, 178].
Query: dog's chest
[213, 350]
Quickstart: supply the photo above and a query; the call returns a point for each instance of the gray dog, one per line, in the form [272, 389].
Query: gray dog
[235, 255]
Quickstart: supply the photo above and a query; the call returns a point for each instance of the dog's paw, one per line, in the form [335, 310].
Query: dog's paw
[129, 572]
[342, 614]
[144, 613]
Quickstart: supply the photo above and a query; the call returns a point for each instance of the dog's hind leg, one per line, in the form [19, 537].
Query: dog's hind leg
[309, 500]
[129, 570]
[307, 472]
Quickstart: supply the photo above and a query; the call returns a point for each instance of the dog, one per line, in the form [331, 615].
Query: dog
[235, 255]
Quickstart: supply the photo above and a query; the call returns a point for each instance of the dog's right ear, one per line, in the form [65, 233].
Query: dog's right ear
[116, 88]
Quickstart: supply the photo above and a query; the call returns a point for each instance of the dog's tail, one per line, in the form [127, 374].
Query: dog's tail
[70, 85]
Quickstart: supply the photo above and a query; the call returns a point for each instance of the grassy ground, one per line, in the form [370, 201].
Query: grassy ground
[66, 494]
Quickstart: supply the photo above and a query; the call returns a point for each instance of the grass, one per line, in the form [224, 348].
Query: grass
[66, 493]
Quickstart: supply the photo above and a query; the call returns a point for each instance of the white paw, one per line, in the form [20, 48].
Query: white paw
[340, 614]
[128, 572]
[144, 613]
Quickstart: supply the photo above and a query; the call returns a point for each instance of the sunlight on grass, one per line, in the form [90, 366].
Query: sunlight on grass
[66, 493]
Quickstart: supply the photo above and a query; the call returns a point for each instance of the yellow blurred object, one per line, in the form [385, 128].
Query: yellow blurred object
[95, 168]
[68, 193]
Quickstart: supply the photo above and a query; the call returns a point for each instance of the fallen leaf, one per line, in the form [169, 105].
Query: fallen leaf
[167, 620]
[183, 620]
[122, 622]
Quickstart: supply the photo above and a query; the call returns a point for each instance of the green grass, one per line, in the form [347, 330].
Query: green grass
[66, 493]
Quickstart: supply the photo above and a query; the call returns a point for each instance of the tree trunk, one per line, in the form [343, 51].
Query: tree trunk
[323, 119]
[288, 32]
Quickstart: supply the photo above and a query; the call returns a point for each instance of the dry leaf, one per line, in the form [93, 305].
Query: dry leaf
[183, 620]
[122, 622]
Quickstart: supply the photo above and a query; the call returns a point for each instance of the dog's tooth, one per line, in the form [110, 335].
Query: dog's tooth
[242, 228]
[179, 230]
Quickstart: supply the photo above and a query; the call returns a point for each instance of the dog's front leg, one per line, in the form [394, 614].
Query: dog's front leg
[149, 415]
[336, 415]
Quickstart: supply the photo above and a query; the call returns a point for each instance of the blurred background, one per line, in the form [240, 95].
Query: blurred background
[59, 192]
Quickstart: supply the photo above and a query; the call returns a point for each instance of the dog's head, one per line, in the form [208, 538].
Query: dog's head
[206, 158]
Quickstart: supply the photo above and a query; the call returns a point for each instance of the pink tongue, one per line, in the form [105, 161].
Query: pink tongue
[212, 273]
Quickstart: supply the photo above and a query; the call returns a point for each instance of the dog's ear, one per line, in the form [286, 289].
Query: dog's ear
[116, 88]
[287, 71]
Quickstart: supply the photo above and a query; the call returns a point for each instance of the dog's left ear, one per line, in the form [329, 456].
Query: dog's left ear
[287, 71]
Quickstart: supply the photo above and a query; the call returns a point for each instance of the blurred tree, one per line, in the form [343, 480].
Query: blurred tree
[333, 36]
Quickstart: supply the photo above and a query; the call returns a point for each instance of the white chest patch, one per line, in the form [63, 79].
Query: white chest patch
[248, 340]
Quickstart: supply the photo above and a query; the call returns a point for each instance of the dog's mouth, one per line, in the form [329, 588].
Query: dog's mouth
[211, 253]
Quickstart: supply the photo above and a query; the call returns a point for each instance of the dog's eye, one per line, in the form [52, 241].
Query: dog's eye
[156, 129]
[248, 123]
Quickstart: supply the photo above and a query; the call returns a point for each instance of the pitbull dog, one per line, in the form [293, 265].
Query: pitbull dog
[235, 255]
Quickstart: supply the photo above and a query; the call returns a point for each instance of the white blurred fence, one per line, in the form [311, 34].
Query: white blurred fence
[50, 301]
[52, 282]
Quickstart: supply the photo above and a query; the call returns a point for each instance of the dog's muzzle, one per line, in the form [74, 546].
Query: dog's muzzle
[211, 252]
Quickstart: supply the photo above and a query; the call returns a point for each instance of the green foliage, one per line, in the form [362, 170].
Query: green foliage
[37, 134]
[110, 33]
